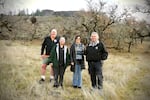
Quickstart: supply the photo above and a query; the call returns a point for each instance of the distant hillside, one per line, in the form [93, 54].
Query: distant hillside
[65, 13]
[47, 12]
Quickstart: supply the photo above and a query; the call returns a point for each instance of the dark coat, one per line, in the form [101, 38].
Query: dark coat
[73, 57]
[55, 54]
[48, 45]
[96, 53]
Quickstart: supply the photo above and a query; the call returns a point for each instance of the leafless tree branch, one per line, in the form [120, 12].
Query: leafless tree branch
[2, 3]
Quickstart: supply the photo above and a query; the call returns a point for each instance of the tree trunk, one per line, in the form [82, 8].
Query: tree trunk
[129, 47]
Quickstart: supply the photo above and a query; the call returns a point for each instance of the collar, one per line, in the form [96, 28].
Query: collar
[94, 43]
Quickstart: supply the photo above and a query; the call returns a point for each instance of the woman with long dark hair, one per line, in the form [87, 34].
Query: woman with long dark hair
[77, 61]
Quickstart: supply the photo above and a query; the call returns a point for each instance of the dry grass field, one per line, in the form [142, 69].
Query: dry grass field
[126, 75]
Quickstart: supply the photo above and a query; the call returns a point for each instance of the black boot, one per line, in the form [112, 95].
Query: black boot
[41, 80]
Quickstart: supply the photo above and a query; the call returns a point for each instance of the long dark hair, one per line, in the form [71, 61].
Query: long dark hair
[77, 37]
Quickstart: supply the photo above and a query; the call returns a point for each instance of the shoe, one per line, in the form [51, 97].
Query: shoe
[100, 87]
[41, 80]
[74, 86]
[62, 86]
[79, 87]
[55, 85]
[51, 80]
[93, 88]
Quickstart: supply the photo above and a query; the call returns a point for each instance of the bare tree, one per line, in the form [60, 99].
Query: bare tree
[33, 20]
[98, 20]
[143, 8]
[2, 3]
[148, 2]
[92, 18]
[143, 31]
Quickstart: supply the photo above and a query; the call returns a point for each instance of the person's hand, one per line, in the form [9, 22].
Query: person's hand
[72, 63]
[42, 56]
[51, 64]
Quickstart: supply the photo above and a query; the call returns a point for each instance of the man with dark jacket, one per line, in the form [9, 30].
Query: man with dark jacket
[47, 45]
[95, 53]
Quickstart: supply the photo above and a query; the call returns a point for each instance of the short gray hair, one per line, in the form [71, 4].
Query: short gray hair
[54, 30]
[62, 38]
[95, 33]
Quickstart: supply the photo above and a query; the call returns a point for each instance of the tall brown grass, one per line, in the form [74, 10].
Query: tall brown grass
[126, 76]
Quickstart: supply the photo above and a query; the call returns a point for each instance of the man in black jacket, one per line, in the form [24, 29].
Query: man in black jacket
[47, 45]
[95, 53]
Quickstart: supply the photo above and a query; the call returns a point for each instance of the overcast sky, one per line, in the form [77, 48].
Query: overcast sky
[57, 5]
[61, 5]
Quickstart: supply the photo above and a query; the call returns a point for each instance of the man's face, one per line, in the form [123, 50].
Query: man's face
[94, 37]
[53, 34]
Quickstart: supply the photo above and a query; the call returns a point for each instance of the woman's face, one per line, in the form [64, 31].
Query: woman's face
[78, 40]
[62, 41]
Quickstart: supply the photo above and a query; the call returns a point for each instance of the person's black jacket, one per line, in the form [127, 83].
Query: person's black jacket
[96, 53]
[48, 45]
[73, 56]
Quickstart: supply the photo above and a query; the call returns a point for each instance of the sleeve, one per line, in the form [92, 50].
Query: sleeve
[43, 46]
[71, 53]
[85, 50]
[104, 52]
[52, 54]
[68, 58]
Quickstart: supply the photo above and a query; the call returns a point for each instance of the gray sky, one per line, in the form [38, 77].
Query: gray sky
[62, 5]
[58, 5]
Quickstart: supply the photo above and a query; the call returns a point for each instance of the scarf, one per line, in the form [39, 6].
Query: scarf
[65, 51]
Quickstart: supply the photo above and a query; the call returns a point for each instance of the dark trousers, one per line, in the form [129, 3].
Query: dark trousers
[59, 75]
[95, 71]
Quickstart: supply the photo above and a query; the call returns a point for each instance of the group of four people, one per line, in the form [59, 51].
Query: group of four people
[58, 56]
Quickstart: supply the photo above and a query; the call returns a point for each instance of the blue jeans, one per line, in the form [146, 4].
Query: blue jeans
[77, 77]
